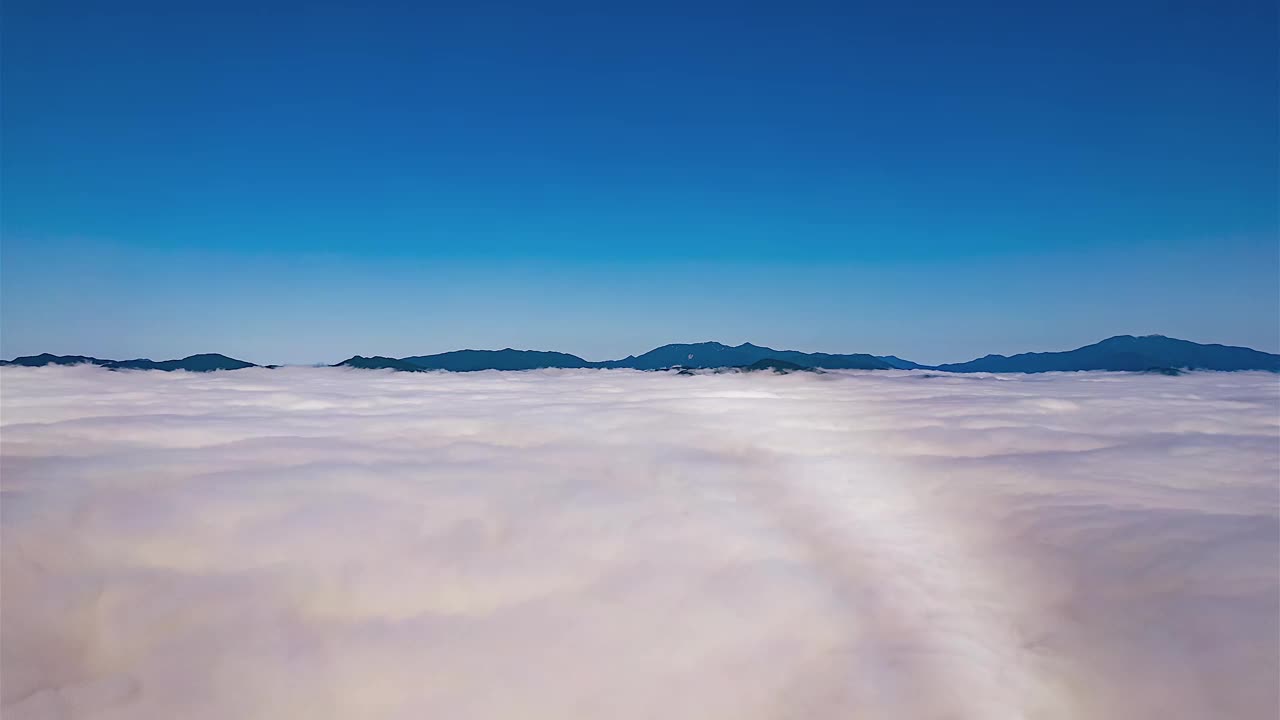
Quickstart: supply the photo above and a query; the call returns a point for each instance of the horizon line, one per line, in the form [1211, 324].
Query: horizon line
[626, 357]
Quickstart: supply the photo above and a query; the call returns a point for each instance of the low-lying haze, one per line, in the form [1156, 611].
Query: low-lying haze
[332, 543]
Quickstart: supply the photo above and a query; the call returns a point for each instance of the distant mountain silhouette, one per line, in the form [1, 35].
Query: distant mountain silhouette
[507, 359]
[1126, 352]
[378, 362]
[714, 355]
[899, 364]
[206, 362]
[47, 359]
[778, 366]
[1148, 353]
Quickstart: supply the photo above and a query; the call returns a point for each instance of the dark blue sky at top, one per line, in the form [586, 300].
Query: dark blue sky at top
[296, 182]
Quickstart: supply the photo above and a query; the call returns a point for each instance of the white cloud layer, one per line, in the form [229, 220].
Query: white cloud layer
[327, 543]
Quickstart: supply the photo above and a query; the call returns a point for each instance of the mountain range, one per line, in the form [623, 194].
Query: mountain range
[1126, 352]
[206, 362]
[507, 359]
[1119, 353]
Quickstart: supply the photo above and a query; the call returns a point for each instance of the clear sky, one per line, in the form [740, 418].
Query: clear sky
[306, 182]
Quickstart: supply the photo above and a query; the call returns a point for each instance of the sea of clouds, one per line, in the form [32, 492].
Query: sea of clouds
[332, 543]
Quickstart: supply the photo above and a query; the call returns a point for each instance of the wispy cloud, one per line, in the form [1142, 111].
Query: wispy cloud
[336, 543]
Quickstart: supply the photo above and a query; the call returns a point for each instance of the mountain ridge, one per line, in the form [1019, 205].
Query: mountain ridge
[378, 362]
[1141, 353]
[504, 359]
[200, 362]
[715, 354]
[1126, 353]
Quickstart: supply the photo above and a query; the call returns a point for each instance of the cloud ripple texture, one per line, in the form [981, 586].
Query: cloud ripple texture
[334, 543]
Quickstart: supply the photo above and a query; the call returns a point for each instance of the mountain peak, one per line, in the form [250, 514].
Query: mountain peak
[377, 362]
[1127, 353]
[504, 359]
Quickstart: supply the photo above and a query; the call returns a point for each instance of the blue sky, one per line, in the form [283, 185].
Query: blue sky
[937, 181]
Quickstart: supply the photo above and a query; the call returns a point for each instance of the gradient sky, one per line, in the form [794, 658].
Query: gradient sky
[937, 181]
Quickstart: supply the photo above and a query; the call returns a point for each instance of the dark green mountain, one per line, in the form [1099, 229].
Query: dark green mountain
[207, 362]
[778, 366]
[899, 364]
[1126, 352]
[714, 355]
[47, 359]
[379, 362]
[1149, 353]
[507, 359]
